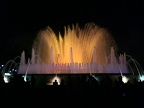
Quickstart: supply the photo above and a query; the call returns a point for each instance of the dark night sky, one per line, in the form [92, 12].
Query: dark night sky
[21, 21]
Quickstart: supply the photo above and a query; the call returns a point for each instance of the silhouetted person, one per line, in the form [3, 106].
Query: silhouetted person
[119, 86]
[62, 82]
[55, 82]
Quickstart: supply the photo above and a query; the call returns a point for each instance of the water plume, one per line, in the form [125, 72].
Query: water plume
[90, 49]
[81, 41]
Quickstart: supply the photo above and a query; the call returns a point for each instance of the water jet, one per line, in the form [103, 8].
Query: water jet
[90, 49]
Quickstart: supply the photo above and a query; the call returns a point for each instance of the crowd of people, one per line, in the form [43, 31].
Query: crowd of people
[81, 90]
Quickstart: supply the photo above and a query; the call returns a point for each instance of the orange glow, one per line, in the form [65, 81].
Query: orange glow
[81, 41]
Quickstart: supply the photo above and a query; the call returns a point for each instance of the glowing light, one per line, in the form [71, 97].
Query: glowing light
[6, 79]
[56, 78]
[25, 77]
[125, 79]
[141, 78]
[96, 78]
[7, 74]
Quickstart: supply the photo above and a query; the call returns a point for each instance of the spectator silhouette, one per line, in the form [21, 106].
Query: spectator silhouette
[119, 86]
[55, 82]
[62, 82]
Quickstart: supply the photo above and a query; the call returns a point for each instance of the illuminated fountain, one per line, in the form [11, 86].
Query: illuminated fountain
[79, 51]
